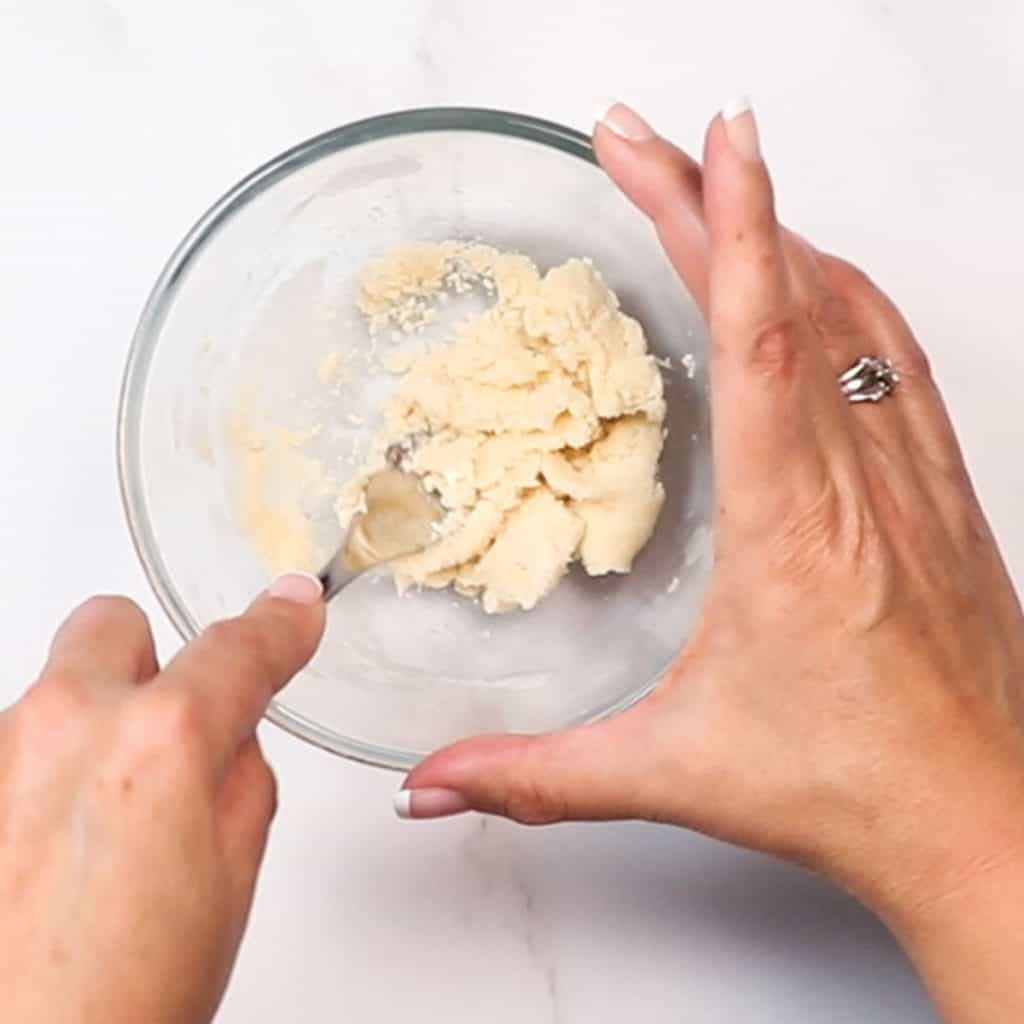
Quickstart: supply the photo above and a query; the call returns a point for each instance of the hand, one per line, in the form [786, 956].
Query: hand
[853, 696]
[134, 809]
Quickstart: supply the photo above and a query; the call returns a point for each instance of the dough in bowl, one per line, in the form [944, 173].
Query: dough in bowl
[538, 424]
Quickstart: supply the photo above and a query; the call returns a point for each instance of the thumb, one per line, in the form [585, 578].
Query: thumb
[596, 772]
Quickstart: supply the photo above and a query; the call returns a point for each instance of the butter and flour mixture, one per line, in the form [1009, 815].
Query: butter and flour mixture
[538, 424]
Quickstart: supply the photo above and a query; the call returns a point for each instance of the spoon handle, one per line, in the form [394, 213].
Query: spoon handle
[335, 575]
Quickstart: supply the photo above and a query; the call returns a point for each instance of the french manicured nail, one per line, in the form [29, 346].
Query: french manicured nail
[429, 803]
[299, 587]
[741, 128]
[623, 120]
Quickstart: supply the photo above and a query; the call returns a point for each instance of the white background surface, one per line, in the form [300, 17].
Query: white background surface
[893, 131]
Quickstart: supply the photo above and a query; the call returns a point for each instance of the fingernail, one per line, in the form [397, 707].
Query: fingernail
[741, 128]
[429, 803]
[299, 587]
[623, 120]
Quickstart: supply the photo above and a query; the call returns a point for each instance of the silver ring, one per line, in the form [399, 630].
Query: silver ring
[870, 379]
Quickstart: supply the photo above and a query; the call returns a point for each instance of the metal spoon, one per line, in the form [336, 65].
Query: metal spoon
[399, 520]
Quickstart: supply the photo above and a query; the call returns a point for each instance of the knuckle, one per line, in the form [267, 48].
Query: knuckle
[830, 317]
[100, 605]
[672, 182]
[113, 604]
[104, 607]
[528, 801]
[913, 365]
[108, 625]
[845, 275]
[51, 703]
[242, 637]
[773, 349]
[172, 718]
[970, 525]
[763, 230]
[268, 790]
[255, 780]
[229, 634]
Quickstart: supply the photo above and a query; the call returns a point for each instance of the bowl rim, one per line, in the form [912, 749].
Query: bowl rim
[143, 345]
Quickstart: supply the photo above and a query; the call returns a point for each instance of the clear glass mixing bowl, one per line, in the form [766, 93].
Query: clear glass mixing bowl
[250, 305]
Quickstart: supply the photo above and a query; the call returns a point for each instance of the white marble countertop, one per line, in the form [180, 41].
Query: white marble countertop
[892, 128]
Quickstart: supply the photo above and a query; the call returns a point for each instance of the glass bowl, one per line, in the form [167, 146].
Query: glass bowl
[233, 349]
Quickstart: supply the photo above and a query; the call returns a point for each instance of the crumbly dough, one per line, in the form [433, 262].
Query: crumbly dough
[538, 425]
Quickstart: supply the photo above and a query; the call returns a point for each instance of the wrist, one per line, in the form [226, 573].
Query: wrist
[924, 837]
[951, 890]
[967, 942]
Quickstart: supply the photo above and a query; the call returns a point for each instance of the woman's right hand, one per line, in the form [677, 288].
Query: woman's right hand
[134, 811]
[853, 698]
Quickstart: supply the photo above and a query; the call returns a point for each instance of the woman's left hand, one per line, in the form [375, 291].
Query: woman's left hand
[853, 695]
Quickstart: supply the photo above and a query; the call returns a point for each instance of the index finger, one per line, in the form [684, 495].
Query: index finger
[234, 668]
[664, 183]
